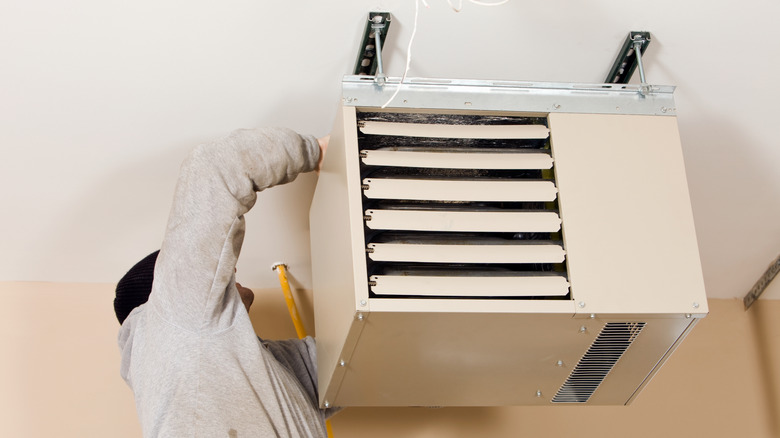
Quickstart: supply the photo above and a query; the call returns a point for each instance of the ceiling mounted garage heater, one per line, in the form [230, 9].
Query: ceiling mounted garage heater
[480, 243]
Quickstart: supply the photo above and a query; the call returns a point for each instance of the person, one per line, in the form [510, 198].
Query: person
[188, 349]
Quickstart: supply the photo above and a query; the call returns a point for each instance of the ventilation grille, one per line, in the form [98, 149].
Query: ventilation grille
[460, 206]
[598, 361]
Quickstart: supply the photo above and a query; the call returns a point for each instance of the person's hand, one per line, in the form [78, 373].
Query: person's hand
[323, 142]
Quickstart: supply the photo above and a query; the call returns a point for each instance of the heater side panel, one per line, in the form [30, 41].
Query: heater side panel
[338, 260]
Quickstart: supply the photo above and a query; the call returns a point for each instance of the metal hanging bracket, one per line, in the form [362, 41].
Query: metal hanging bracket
[762, 283]
[369, 61]
[629, 58]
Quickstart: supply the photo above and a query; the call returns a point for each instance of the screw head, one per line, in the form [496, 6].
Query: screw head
[360, 317]
[539, 393]
[688, 315]
[327, 404]
[342, 363]
[363, 302]
[581, 304]
[559, 363]
[695, 305]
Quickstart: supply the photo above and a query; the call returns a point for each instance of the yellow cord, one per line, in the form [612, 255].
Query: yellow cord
[296, 317]
[288, 297]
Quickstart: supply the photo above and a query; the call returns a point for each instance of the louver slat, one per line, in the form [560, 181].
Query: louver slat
[457, 160]
[464, 190]
[455, 131]
[479, 221]
[433, 253]
[461, 285]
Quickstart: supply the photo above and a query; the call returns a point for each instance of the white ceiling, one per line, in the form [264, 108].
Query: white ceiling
[100, 101]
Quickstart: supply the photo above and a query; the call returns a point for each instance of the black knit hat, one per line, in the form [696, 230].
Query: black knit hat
[134, 288]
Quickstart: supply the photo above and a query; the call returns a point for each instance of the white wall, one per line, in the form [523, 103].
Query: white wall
[101, 100]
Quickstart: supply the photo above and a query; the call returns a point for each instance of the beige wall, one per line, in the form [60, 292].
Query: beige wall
[59, 377]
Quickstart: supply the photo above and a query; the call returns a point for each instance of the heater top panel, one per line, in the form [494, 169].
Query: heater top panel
[539, 97]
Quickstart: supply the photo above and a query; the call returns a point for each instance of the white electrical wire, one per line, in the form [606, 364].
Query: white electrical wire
[408, 52]
[483, 3]
[414, 32]
[476, 2]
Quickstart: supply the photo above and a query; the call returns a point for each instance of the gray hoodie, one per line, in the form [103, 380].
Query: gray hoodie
[190, 353]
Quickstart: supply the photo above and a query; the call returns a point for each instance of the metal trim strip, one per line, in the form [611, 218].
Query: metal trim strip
[482, 95]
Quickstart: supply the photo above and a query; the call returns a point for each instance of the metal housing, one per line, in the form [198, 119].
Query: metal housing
[428, 294]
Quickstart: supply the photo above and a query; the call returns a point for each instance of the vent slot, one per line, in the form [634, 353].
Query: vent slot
[460, 206]
[598, 361]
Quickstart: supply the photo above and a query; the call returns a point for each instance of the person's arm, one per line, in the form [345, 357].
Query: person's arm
[194, 274]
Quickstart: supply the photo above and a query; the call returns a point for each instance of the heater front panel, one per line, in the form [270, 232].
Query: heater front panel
[627, 220]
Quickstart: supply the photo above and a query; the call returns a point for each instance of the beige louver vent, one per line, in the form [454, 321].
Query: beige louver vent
[460, 206]
[598, 361]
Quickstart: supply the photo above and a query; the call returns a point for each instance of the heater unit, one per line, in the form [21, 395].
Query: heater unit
[479, 243]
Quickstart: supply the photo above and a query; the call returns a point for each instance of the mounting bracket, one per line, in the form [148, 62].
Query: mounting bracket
[369, 60]
[628, 59]
[762, 283]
